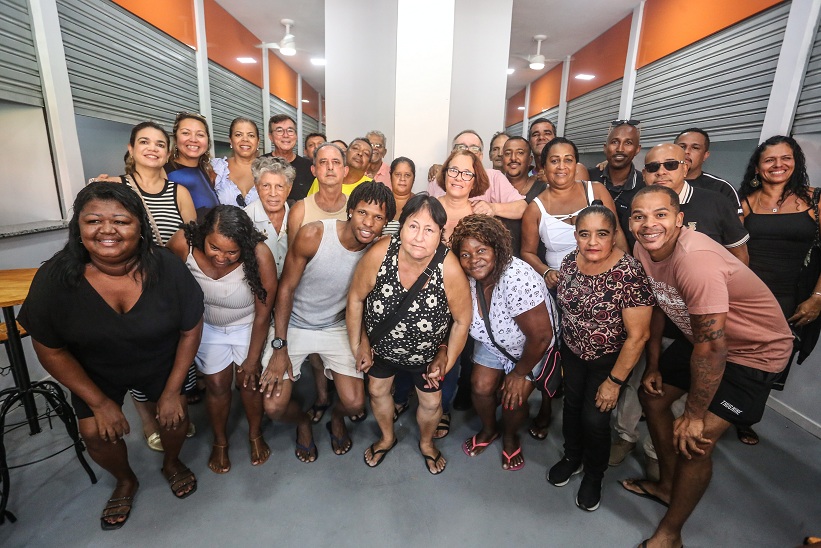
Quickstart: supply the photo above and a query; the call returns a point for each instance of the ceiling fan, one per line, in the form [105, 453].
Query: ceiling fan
[537, 61]
[286, 46]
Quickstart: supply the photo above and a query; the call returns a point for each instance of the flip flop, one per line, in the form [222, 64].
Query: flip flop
[381, 453]
[113, 504]
[318, 411]
[747, 435]
[360, 417]
[259, 447]
[310, 449]
[340, 442]
[444, 425]
[399, 411]
[477, 445]
[508, 459]
[434, 460]
[538, 432]
[642, 492]
[181, 479]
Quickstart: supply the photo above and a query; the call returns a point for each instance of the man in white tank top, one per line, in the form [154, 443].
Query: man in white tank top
[309, 315]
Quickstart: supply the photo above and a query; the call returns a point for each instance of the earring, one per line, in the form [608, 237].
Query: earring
[349, 215]
[755, 183]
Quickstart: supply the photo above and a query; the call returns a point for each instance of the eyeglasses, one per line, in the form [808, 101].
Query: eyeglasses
[240, 200]
[473, 148]
[465, 175]
[669, 165]
[617, 123]
[377, 146]
[280, 131]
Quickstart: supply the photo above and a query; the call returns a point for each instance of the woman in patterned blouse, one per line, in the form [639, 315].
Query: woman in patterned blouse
[606, 304]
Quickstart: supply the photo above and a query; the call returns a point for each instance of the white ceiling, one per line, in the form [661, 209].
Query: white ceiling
[568, 24]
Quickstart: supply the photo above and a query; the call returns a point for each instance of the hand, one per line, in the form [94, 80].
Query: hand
[251, 370]
[105, 177]
[513, 390]
[481, 207]
[806, 312]
[437, 368]
[433, 172]
[607, 395]
[602, 165]
[688, 435]
[364, 356]
[271, 381]
[552, 279]
[170, 413]
[111, 423]
[651, 382]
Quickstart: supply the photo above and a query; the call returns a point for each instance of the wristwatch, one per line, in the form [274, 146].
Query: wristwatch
[278, 343]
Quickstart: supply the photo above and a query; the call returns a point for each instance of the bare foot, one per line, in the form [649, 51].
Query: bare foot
[341, 442]
[219, 462]
[259, 450]
[306, 450]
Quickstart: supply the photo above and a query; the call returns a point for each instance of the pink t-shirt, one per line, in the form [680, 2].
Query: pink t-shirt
[383, 175]
[702, 277]
[500, 190]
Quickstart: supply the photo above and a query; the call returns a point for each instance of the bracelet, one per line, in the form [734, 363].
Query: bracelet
[443, 345]
[545, 272]
[817, 293]
[615, 380]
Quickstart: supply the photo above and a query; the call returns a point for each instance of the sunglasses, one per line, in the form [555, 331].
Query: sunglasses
[669, 165]
[241, 200]
[617, 123]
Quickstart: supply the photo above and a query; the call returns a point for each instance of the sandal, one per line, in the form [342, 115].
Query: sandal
[219, 463]
[311, 451]
[746, 435]
[360, 417]
[109, 512]
[378, 454]
[343, 444]
[317, 411]
[181, 479]
[507, 458]
[155, 443]
[433, 460]
[260, 449]
[477, 445]
[538, 431]
[443, 426]
[398, 411]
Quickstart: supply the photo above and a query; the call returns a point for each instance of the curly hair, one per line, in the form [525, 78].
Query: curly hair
[481, 181]
[491, 232]
[799, 183]
[373, 193]
[70, 262]
[231, 222]
[275, 165]
[204, 162]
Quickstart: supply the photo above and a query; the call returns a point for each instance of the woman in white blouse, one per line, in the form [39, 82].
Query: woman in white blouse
[234, 182]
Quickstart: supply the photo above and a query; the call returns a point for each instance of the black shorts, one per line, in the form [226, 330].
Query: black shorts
[742, 394]
[152, 386]
[385, 369]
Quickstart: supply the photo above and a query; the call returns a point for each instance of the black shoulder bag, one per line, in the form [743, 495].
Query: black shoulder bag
[547, 374]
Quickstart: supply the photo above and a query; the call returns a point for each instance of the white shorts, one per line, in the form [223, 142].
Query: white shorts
[222, 346]
[330, 343]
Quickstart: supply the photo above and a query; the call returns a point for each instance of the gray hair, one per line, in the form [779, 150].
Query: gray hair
[275, 165]
[378, 134]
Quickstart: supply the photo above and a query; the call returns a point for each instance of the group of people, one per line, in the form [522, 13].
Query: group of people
[636, 281]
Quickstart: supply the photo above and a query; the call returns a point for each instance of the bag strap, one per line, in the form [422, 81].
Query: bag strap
[151, 221]
[390, 322]
[816, 195]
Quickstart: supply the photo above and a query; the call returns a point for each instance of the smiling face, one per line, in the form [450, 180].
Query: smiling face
[595, 237]
[560, 165]
[515, 158]
[378, 145]
[273, 189]
[402, 179]
[283, 135]
[477, 259]
[150, 148]
[671, 178]
[455, 185]
[622, 146]
[221, 251]
[655, 224]
[776, 165]
[420, 235]
[541, 134]
[108, 231]
[244, 140]
[192, 140]
[367, 221]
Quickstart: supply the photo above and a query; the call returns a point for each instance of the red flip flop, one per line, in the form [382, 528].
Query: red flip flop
[476, 445]
[508, 458]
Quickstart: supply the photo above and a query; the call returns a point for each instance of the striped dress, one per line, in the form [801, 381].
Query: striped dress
[163, 207]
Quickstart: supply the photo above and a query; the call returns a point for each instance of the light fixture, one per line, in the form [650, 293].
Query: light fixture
[510, 71]
[318, 61]
[286, 45]
[246, 60]
[305, 101]
[537, 61]
[521, 108]
[584, 77]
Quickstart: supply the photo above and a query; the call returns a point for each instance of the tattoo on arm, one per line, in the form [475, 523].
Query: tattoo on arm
[705, 330]
[707, 362]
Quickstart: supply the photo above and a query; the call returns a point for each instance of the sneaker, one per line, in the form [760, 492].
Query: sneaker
[562, 471]
[619, 450]
[652, 468]
[589, 495]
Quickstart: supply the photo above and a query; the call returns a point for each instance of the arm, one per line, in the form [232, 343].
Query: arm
[457, 291]
[637, 324]
[295, 217]
[651, 381]
[186, 205]
[530, 245]
[740, 253]
[305, 246]
[706, 369]
[509, 210]
[601, 193]
[364, 279]
[252, 365]
[178, 245]
[581, 173]
[170, 412]
[535, 324]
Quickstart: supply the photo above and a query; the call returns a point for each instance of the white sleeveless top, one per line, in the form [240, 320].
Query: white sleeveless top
[556, 235]
[229, 300]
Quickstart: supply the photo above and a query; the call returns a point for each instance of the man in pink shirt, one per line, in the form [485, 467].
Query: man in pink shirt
[740, 342]
[378, 170]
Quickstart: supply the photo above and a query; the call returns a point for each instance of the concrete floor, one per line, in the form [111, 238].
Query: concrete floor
[766, 495]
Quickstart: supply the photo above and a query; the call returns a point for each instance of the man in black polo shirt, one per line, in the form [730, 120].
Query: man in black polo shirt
[619, 176]
[696, 145]
[282, 131]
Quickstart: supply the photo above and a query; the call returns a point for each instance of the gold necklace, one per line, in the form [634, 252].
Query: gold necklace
[758, 204]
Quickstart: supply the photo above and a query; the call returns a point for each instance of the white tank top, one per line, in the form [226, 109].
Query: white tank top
[229, 300]
[556, 235]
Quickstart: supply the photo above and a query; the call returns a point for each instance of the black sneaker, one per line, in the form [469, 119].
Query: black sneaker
[589, 496]
[561, 472]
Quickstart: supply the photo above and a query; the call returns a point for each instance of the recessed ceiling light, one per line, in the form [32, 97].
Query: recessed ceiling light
[521, 108]
[246, 60]
[511, 71]
[318, 61]
[305, 101]
[584, 77]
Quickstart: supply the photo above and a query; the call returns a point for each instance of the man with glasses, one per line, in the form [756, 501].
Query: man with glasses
[378, 170]
[282, 132]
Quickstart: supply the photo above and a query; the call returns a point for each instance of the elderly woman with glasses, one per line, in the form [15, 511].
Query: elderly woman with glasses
[273, 180]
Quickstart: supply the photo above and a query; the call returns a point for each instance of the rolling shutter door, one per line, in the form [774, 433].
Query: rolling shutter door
[232, 97]
[721, 83]
[808, 114]
[309, 125]
[515, 130]
[278, 106]
[121, 68]
[19, 71]
[589, 116]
